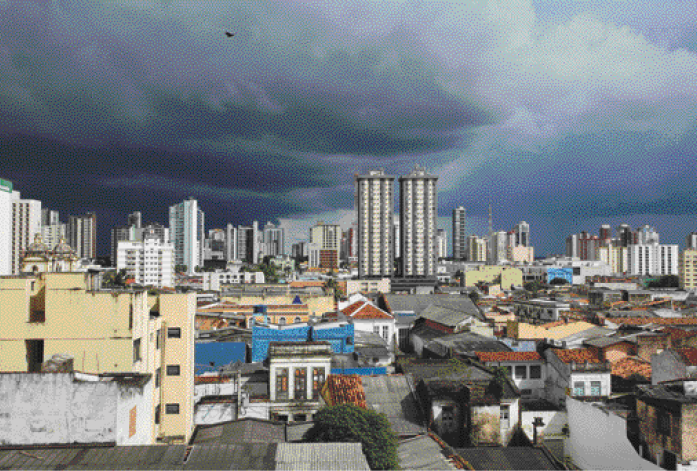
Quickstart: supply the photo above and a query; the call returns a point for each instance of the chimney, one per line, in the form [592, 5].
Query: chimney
[59, 363]
[690, 388]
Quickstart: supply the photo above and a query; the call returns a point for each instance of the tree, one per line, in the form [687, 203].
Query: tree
[498, 382]
[666, 281]
[350, 423]
[559, 281]
[180, 268]
[474, 296]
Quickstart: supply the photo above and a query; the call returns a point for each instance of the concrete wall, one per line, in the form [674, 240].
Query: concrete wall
[554, 421]
[53, 408]
[215, 413]
[666, 366]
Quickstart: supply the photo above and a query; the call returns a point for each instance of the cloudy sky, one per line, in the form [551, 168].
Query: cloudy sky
[567, 114]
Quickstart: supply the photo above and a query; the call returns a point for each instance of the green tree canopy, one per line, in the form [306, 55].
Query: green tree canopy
[666, 281]
[350, 423]
[558, 281]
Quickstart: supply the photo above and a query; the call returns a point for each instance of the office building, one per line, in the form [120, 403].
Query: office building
[273, 240]
[186, 226]
[26, 223]
[652, 259]
[375, 208]
[325, 244]
[106, 332]
[691, 241]
[149, 261]
[82, 235]
[248, 243]
[459, 238]
[498, 248]
[418, 217]
[135, 219]
[6, 191]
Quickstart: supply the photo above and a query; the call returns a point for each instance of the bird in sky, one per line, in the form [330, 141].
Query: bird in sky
[229, 34]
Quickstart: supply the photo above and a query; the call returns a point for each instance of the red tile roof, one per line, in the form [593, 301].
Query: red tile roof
[549, 325]
[345, 389]
[688, 354]
[628, 366]
[579, 355]
[365, 310]
[654, 320]
[679, 334]
[507, 356]
[307, 284]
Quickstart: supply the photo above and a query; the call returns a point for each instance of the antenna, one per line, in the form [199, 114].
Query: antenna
[491, 219]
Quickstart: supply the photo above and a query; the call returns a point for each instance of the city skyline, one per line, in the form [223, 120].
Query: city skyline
[114, 107]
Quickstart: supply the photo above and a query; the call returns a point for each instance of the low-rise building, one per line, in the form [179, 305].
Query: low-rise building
[149, 261]
[577, 373]
[367, 286]
[368, 318]
[527, 369]
[546, 310]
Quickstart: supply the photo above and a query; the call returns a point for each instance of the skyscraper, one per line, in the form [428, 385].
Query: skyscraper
[186, 225]
[442, 243]
[325, 242]
[273, 240]
[691, 241]
[459, 239]
[375, 208]
[248, 243]
[522, 234]
[231, 243]
[135, 219]
[82, 235]
[418, 213]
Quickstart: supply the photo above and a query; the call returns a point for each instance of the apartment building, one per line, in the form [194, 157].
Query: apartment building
[687, 269]
[149, 261]
[82, 235]
[375, 208]
[5, 227]
[26, 223]
[105, 332]
[418, 217]
[459, 239]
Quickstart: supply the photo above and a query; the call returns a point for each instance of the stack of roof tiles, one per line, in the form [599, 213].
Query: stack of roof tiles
[629, 366]
[346, 389]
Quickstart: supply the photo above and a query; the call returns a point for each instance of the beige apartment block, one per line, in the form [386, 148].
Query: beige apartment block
[687, 269]
[506, 277]
[105, 332]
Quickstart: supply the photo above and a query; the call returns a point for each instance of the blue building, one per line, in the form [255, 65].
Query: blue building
[211, 356]
[339, 336]
[566, 273]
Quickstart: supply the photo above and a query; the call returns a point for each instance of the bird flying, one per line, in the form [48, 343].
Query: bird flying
[229, 34]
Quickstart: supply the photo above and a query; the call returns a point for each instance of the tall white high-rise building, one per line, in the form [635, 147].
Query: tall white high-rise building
[375, 208]
[442, 243]
[52, 231]
[418, 217]
[6, 197]
[149, 261]
[459, 238]
[476, 248]
[498, 248]
[652, 259]
[248, 243]
[647, 235]
[395, 238]
[691, 241]
[26, 223]
[82, 235]
[135, 219]
[273, 240]
[522, 234]
[186, 226]
[231, 243]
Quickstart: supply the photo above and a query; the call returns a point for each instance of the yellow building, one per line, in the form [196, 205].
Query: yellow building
[504, 276]
[616, 257]
[105, 331]
[687, 269]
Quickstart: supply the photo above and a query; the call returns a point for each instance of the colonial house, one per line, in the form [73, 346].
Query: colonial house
[368, 318]
[578, 373]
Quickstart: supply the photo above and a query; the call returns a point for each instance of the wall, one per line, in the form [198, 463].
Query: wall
[316, 305]
[554, 421]
[485, 425]
[666, 366]
[52, 408]
[598, 440]
[215, 413]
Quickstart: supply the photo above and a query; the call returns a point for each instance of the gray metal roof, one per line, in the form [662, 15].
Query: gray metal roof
[448, 370]
[320, 456]
[469, 342]
[240, 431]
[393, 396]
[422, 453]
[296, 430]
[233, 456]
[601, 342]
[512, 457]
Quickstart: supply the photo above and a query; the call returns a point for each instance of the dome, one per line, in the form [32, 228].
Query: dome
[62, 248]
[38, 246]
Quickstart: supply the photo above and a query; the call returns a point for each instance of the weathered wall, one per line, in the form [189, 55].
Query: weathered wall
[51, 408]
[554, 421]
[485, 425]
[134, 415]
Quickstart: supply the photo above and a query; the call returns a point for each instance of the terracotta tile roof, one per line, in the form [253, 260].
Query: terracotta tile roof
[654, 320]
[345, 389]
[365, 310]
[211, 379]
[507, 356]
[688, 354]
[679, 334]
[578, 355]
[628, 366]
[307, 284]
[548, 325]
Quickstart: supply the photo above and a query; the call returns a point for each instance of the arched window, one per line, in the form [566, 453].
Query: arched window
[297, 320]
[282, 321]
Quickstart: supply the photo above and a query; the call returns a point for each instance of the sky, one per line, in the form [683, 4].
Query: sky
[564, 113]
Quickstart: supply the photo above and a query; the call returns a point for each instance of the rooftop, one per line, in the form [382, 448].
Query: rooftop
[248, 430]
[365, 310]
[422, 452]
[509, 458]
[579, 355]
[629, 366]
[688, 355]
[344, 389]
[393, 396]
[508, 356]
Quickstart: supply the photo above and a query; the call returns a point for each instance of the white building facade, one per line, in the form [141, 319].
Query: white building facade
[26, 223]
[652, 259]
[149, 261]
[5, 227]
[82, 235]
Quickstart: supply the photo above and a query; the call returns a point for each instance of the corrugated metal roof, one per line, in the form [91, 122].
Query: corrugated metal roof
[505, 458]
[392, 395]
[233, 456]
[320, 456]
[422, 453]
[240, 431]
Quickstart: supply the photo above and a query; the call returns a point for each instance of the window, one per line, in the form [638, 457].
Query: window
[297, 320]
[37, 316]
[521, 372]
[663, 423]
[386, 333]
[157, 415]
[173, 370]
[282, 383]
[157, 338]
[174, 333]
[505, 416]
[595, 388]
[136, 351]
[282, 321]
[158, 373]
[535, 371]
[579, 388]
[349, 341]
[300, 383]
[317, 380]
[172, 409]
[376, 329]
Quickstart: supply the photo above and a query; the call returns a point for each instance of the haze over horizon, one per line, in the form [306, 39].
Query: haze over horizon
[562, 113]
